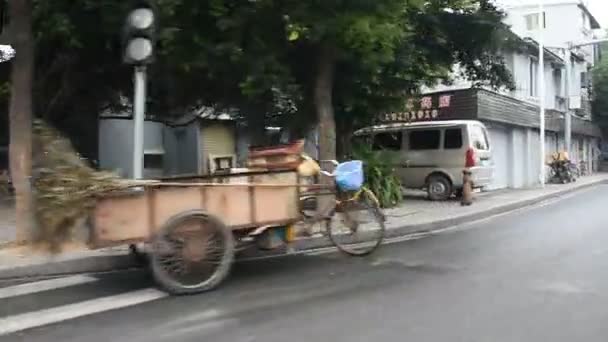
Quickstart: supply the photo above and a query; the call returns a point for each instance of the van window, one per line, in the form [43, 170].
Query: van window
[479, 139]
[452, 138]
[359, 140]
[424, 139]
[388, 141]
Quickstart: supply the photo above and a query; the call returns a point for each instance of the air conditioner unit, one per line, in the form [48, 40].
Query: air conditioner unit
[575, 102]
[218, 163]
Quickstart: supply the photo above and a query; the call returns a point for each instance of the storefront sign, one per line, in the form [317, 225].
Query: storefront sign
[426, 108]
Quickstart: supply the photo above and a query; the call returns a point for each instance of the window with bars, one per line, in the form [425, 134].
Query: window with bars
[533, 22]
[533, 82]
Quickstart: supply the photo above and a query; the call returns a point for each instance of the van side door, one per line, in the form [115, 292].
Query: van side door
[422, 155]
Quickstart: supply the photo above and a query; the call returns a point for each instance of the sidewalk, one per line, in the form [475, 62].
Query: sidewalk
[415, 216]
[7, 222]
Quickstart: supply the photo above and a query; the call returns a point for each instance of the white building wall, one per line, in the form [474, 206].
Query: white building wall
[564, 23]
[519, 66]
[520, 69]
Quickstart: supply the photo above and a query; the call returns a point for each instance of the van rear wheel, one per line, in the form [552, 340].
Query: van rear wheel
[439, 188]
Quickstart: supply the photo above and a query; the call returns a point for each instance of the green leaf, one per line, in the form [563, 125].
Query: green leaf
[293, 36]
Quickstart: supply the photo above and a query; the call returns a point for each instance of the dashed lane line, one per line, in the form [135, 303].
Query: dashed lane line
[44, 285]
[29, 320]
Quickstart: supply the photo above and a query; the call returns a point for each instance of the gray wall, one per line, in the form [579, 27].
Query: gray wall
[116, 144]
[182, 154]
[243, 141]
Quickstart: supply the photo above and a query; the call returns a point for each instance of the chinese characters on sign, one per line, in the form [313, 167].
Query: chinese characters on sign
[444, 101]
[412, 116]
[426, 102]
[426, 111]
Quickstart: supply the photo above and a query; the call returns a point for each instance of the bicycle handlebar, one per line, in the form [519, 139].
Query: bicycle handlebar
[335, 162]
[328, 174]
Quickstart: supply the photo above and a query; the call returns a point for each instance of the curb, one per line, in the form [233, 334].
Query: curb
[426, 228]
[95, 264]
[123, 261]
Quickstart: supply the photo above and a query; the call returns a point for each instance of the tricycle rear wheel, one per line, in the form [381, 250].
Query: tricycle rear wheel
[192, 253]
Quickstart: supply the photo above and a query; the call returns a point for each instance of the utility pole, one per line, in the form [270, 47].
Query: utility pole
[541, 85]
[568, 115]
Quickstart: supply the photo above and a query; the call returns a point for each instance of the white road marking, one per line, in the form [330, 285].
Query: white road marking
[16, 323]
[44, 285]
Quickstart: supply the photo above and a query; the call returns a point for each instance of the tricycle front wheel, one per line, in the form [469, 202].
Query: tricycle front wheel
[192, 253]
[356, 227]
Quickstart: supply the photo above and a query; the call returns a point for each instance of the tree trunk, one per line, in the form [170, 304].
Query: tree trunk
[20, 114]
[323, 104]
[344, 134]
[323, 89]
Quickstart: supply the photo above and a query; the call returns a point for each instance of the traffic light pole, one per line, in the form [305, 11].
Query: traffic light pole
[139, 109]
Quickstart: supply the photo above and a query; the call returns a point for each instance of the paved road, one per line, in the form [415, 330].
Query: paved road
[535, 275]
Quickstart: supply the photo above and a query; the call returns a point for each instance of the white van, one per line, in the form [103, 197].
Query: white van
[432, 155]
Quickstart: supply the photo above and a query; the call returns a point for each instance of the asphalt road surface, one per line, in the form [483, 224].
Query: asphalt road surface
[539, 274]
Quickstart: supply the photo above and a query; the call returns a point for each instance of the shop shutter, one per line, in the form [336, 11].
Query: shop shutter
[500, 154]
[216, 139]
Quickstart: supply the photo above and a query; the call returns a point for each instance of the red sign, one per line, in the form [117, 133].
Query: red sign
[425, 111]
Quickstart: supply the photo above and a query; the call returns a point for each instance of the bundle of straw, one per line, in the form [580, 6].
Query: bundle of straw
[65, 186]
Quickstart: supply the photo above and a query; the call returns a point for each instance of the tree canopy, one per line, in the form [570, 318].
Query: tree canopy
[298, 62]
[600, 91]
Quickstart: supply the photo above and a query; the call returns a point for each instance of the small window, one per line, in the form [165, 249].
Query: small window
[388, 141]
[533, 81]
[532, 21]
[153, 161]
[479, 140]
[424, 140]
[453, 139]
[584, 80]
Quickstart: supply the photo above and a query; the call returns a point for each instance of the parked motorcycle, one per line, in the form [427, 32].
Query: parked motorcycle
[561, 169]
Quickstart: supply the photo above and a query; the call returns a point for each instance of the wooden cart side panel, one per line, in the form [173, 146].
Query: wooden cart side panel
[117, 219]
[275, 204]
[169, 202]
[137, 217]
[229, 204]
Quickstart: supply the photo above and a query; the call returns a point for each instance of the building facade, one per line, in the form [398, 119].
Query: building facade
[565, 23]
[513, 116]
[195, 144]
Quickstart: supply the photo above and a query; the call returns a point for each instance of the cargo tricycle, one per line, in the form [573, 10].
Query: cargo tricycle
[194, 225]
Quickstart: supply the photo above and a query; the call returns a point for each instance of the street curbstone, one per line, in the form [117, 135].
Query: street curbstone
[124, 260]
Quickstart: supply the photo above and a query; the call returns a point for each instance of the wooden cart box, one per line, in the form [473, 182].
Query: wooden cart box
[267, 198]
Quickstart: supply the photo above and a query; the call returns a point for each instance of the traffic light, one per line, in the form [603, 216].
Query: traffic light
[140, 34]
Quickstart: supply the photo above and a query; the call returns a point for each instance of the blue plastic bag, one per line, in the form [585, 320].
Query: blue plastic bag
[349, 175]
